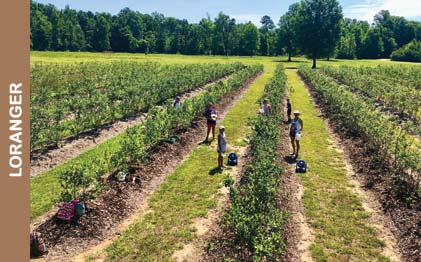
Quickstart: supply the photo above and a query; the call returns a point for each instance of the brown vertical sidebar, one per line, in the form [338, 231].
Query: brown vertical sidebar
[14, 189]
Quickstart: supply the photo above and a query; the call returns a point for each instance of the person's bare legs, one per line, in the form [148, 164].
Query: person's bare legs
[213, 132]
[220, 161]
[208, 132]
[298, 147]
[293, 145]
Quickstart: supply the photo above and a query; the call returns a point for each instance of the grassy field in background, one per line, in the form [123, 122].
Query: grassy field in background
[75, 57]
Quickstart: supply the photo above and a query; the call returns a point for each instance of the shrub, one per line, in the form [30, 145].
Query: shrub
[409, 53]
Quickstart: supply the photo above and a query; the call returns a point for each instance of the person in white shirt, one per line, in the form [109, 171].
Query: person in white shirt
[266, 107]
[177, 102]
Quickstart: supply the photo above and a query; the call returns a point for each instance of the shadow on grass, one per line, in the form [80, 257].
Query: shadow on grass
[292, 61]
[215, 171]
[290, 159]
[206, 142]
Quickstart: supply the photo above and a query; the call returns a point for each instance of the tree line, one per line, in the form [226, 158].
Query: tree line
[131, 31]
[315, 28]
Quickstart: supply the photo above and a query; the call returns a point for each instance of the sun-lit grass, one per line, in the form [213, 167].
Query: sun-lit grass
[76, 57]
[340, 224]
[186, 194]
[246, 107]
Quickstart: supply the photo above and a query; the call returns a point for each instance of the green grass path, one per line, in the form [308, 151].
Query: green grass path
[186, 194]
[339, 223]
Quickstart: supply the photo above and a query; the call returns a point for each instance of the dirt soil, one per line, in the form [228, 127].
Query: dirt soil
[221, 237]
[216, 232]
[298, 234]
[49, 157]
[373, 175]
[400, 118]
[195, 251]
[123, 199]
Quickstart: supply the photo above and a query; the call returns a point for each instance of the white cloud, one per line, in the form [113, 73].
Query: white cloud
[410, 9]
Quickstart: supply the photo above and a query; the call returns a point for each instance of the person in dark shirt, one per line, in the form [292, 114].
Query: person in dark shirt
[211, 117]
[289, 110]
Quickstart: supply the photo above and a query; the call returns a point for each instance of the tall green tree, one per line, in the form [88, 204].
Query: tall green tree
[249, 41]
[88, 25]
[288, 39]
[73, 35]
[373, 46]
[207, 29]
[57, 22]
[396, 31]
[266, 35]
[224, 34]
[151, 29]
[267, 22]
[359, 30]
[173, 32]
[102, 34]
[41, 32]
[318, 27]
[418, 32]
[347, 47]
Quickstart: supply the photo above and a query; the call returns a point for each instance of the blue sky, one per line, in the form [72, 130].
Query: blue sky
[241, 10]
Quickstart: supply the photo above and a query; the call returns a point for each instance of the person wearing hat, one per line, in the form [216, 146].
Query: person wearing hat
[222, 146]
[295, 132]
[211, 117]
[177, 102]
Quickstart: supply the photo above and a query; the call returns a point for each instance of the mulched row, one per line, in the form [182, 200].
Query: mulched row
[219, 244]
[402, 206]
[51, 156]
[122, 199]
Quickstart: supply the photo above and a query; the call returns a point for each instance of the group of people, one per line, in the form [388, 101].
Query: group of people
[296, 128]
[295, 131]
[211, 117]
